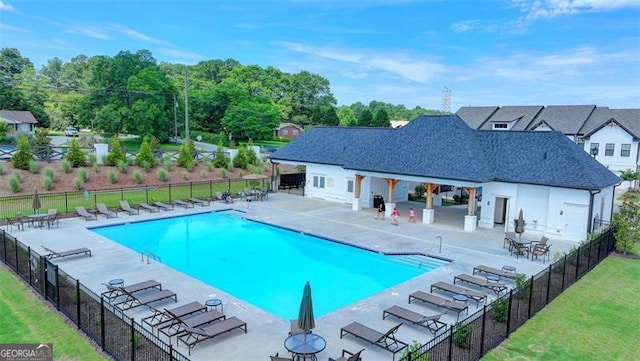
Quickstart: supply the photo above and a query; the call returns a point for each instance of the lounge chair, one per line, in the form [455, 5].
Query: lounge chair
[200, 202]
[114, 292]
[431, 323]
[496, 287]
[280, 358]
[494, 271]
[102, 209]
[448, 287]
[455, 306]
[160, 318]
[132, 301]
[193, 336]
[78, 251]
[163, 206]
[124, 205]
[348, 356]
[82, 212]
[179, 324]
[385, 340]
[181, 203]
[149, 208]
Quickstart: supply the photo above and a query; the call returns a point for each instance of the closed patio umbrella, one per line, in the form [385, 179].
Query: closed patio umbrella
[305, 316]
[520, 224]
[35, 201]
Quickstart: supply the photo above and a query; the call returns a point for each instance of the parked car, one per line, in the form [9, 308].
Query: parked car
[71, 132]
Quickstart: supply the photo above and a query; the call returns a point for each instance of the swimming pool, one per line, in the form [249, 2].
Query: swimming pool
[264, 265]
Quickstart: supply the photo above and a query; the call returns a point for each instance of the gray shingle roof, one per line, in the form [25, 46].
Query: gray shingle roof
[19, 116]
[567, 119]
[445, 147]
[475, 117]
[629, 119]
[523, 114]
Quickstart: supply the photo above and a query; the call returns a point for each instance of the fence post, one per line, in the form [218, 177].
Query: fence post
[229, 184]
[484, 322]
[170, 198]
[509, 312]
[133, 341]
[530, 297]
[564, 270]
[546, 302]
[29, 265]
[78, 302]
[190, 189]
[16, 255]
[210, 189]
[450, 342]
[66, 202]
[577, 263]
[146, 194]
[599, 245]
[171, 352]
[4, 246]
[55, 268]
[102, 323]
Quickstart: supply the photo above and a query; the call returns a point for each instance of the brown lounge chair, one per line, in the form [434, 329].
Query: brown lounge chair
[114, 292]
[496, 287]
[193, 336]
[124, 205]
[386, 340]
[102, 209]
[161, 318]
[181, 203]
[431, 323]
[494, 271]
[53, 254]
[456, 306]
[200, 202]
[348, 356]
[149, 208]
[179, 324]
[448, 287]
[133, 301]
[163, 206]
[82, 212]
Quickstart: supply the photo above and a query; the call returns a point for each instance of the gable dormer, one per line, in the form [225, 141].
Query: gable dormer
[504, 125]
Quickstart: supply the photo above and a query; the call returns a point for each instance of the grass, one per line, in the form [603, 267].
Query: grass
[595, 319]
[26, 319]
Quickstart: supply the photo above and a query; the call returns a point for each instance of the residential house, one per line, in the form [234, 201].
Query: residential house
[288, 130]
[559, 187]
[18, 120]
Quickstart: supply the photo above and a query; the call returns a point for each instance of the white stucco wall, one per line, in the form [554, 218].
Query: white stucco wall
[335, 182]
[617, 136]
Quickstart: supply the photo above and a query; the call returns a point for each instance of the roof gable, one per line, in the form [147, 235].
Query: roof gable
[567, 119]
[475, 117]
[18, 116]
[522, 115]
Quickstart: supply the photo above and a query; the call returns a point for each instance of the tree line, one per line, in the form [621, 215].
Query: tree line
[134, 94]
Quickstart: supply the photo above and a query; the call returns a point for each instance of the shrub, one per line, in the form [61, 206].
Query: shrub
[20, 159]
[413, 351]
[241, 160]
[14, 183]
[203, 173]
[146, 166]
[78, 183]
[122, 166]
[146, 154]
[48, 183]
[33, 167]
[18, 176]
[462, 336]
[93, 158]
[82, 174]
[50, 173]
[115, 152]
[185, 175]
[209, 167]
[112, 177]
[66, 166]
[1, 170]
[137, 177]
[75, 155]
[96, 167]
[168, 164]
[499, 310]
[185, 157]
[220, 158]
[105, 159]
[240, 174]
[223, 173]
[189, 167]
[162, 175]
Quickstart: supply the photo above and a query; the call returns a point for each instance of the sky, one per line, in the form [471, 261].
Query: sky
[435, 54]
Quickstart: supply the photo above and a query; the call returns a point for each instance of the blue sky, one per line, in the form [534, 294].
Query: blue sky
[491, 52]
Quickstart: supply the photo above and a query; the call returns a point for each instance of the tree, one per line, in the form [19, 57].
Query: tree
[381, 119]
[115, 152]
[366, 118]
[346, 116]
[75, 155]
[23, 155]
[325, 115]
[627, 223]
[251, 119]
[220, 158]
[185, 157]
[632, 176]
[146, 154]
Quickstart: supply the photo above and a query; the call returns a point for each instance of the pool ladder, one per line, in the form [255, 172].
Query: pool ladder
[149, 255]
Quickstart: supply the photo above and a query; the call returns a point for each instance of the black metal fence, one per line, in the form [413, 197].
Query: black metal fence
[473, 337]
[117, 334]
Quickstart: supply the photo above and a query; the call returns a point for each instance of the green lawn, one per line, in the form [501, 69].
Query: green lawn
[26, 319]
[596, 318]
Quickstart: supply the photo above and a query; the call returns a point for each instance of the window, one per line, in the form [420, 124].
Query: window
[609, 149]
[296, 132]
[500, 126]
[318, 181]
[581, 143]
[285, 131]
[594, 149]
[625, 150]
[350, 186]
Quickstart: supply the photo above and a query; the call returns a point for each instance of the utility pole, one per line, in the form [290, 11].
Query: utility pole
[175, 118]
[186, 103]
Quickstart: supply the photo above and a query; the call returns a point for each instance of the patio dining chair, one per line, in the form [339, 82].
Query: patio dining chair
[541, 250]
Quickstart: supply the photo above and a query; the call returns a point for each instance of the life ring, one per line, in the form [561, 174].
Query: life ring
[33, 262]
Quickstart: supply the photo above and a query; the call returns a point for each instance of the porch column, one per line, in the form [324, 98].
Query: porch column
[470, 220]
[390, 204]
[428, 213]
[356, 193]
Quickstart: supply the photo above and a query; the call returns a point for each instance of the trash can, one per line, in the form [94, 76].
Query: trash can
[377, 200]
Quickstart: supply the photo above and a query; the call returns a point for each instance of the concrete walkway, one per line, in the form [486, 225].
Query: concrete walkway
[266, 331]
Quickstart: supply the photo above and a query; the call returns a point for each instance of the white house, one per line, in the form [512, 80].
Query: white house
[611, 136]
[559, 187]
[18, 120]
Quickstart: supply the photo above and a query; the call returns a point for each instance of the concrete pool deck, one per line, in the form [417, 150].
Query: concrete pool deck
[266, 332]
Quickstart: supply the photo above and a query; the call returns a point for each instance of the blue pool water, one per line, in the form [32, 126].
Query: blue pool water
[264, 265]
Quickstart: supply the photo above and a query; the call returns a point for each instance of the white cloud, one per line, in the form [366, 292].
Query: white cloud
[537, 9]
[5, 7]
[407, 66]
[138, 35]
[11, 28]
[181, 57]
[462, 26]
[90, 31]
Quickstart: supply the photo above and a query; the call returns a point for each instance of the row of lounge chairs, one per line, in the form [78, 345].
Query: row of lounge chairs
[101, 208]
[190, 324]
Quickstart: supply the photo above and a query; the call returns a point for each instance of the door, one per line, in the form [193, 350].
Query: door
[575, 228]
[500, 210]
